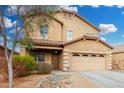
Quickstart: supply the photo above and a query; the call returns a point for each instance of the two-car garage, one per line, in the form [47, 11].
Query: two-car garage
[87, 61]
[88, 53]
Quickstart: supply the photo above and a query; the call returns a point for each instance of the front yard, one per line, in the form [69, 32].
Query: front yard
[25, 82]
[87, 79]
[71, 80]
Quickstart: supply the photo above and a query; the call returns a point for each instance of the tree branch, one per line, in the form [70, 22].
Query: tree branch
[3, 34]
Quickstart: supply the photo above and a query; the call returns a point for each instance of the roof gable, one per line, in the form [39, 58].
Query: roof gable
[84, 20]
[89, 38]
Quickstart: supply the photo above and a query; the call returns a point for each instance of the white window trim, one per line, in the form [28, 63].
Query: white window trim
[46, 37]
[69, 37]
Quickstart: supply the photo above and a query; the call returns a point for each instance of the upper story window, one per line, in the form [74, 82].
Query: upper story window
[69, 35]
[67, 15]
[44, 31]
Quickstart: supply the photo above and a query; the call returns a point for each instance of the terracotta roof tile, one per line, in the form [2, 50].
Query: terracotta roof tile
[63, 43]
[48, 42]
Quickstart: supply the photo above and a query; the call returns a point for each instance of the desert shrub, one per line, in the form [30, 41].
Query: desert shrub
[29, 61]
[23, 65]
[20, 69]
[45, 68]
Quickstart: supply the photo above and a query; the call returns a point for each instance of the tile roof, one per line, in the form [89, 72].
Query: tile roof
[48, 42]
[54, 43]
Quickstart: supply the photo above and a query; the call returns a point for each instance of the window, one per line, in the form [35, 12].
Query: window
[69, 35]
[75, 54]
[93, 55]
[44, 31]
[85, 55]
[41, 58]
[101, 55]
[67, 15]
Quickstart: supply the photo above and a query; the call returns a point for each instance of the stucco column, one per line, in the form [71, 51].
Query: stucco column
[65, 60]
[109, 61]
[23, 51]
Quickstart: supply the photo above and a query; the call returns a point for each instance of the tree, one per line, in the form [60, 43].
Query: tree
[23, 16]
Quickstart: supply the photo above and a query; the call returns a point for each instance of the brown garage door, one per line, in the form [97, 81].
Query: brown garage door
[87, 62]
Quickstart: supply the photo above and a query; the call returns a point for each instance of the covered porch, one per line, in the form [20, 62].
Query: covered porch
[51, 55]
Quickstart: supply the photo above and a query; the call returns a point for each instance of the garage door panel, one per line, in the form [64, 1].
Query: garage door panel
[80, 63]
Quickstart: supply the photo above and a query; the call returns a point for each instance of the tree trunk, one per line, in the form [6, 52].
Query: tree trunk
[10, 73]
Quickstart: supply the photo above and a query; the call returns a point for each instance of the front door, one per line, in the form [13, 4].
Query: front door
[55, 61]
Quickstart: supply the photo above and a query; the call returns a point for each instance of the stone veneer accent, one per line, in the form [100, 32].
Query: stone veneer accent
[66, 60]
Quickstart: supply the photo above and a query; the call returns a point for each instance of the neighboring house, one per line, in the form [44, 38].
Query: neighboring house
[2, 53]
[118, 57]
[70, 43]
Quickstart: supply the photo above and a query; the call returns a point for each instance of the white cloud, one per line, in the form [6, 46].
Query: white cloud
[122, 35]
[122, 12]
[120, 6]
[102, 38]
[68, 7]
[117, 44]
[107, 28]
[8, 22]
[95, 6]
[17, 48]
[13, 30]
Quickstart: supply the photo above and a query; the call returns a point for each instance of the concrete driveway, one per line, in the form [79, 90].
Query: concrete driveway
[105, 79]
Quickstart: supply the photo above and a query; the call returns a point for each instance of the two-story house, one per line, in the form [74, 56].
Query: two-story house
[70, 43]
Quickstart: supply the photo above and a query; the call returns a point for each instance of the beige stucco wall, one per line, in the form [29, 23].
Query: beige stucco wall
[48, 58]
[57, 31]
[89, 46]
[118, 58]
[23, 51]
[54, 30]
[78, 26]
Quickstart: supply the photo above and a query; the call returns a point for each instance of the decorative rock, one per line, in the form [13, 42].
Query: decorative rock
[53, 81]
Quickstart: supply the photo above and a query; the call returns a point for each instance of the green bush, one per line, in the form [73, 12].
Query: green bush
[45, 68]
[29, 61]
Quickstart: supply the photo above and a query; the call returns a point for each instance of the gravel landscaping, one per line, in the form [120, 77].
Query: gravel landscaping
[56, 80]
[60, 79]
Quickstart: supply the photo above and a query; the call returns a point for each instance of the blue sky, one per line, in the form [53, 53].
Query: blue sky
[106, 15]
